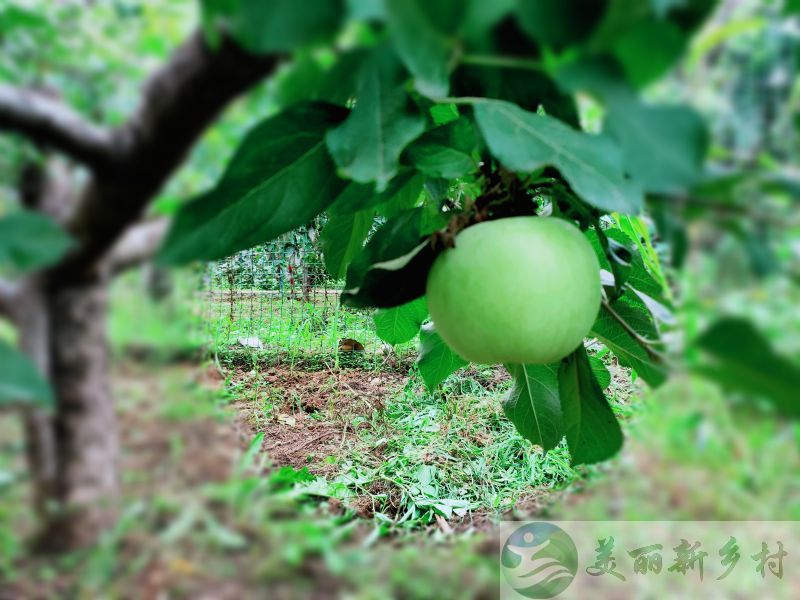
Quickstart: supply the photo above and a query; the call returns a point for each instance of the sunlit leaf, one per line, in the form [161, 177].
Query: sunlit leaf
[367, 146]
[525, 141]
[400, 324]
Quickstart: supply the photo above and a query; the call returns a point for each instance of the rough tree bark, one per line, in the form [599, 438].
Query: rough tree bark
[61, 312]
[86, 486]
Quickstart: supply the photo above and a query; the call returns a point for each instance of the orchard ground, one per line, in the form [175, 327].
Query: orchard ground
[243, 473]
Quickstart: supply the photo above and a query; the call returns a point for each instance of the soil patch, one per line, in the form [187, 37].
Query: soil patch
[308, 416]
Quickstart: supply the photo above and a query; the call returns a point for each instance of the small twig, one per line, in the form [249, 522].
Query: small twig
[138, 245]
[314, 439]
[509, 62]
[49, 121]
[443, 525]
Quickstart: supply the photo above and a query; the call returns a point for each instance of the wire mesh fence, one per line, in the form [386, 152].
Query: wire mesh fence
[278, 297]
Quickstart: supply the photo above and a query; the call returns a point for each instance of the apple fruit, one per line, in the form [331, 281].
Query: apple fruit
[515, 290]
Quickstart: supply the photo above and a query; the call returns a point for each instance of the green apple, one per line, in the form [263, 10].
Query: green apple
[515, 290]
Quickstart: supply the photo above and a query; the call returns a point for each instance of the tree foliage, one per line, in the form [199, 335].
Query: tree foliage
[396, 124]
[476, 105]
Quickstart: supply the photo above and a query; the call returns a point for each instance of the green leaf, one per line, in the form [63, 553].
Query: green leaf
[663, 147]
[400, 324]
[480, 16]
[628, 350]
[367, 146]
[597, 246]
[648, 49]
[445, 152]
[30, 241]
[277, 25]
[422, 46]
[528, 89]
[366, 10]
[533, 404]
[20, 380]
[301, 81]
[406, 197]
[525, 141]
[647, 37]
[339, 84]
[279, 178]
[559, 23]
[618, 17]
[744, 361]
[639, 278]
[436, 360]
[600, 371]
[633, 309]
[392, 268]
[441, 114]
[671, 228]
[593, 433]
[342, 238]
[361, 196]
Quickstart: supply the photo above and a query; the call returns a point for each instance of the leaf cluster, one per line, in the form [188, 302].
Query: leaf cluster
[405, 121]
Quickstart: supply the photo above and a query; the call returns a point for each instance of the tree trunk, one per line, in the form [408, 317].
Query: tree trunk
[73, 453]
[84, 497]
[32, 318]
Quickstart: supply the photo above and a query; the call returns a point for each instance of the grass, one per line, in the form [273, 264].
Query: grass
[290, 327]
[366, 520]
[413, 457]
[161, 330]
[449, 454]
[692, 453]
[236, 532]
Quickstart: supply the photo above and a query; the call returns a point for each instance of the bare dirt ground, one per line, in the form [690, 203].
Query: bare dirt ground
[301, 430]
[163, 456]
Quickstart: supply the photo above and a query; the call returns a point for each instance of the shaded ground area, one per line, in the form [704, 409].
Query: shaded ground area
[278, 482]
[208, 515]
[693, 454]
[307, 416]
